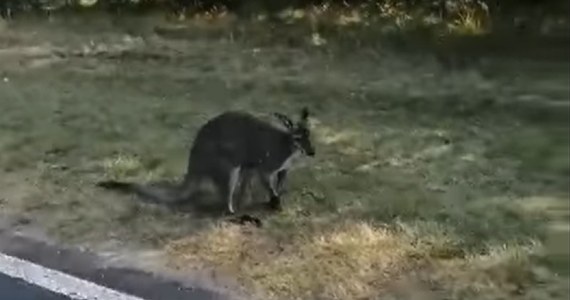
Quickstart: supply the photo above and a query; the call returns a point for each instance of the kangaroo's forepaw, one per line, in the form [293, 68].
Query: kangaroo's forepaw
[275, 203]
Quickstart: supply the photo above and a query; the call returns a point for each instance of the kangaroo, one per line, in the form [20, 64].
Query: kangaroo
[231, 147]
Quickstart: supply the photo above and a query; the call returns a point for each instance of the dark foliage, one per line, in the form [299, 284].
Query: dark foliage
[443, 7]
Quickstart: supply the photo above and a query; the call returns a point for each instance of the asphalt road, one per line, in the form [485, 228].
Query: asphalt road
[18, 289]
[35, 270]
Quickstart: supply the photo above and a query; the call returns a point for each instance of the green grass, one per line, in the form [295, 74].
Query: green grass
[444, 180]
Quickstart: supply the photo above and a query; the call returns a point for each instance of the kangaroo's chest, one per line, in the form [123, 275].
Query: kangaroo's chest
[288, 162]
[278, 164]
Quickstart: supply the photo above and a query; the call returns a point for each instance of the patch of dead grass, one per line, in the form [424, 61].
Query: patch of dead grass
[357, 257]
[506, 272]
[357, 260]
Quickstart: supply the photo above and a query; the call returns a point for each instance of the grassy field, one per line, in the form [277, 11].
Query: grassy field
[430, 181]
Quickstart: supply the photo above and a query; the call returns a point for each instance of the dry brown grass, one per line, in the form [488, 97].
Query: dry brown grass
[358, 258]
[362, 261]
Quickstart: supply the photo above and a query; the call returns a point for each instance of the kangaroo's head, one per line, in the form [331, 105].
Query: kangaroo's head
[299, 131]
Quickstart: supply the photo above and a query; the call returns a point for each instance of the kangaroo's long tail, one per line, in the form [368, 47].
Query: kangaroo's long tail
[155, 194]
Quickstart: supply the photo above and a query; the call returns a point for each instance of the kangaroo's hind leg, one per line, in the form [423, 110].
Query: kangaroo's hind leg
[244, 189]
[233, 182]
[227, 179]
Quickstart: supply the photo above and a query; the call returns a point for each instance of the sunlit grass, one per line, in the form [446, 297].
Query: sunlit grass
[121, 166]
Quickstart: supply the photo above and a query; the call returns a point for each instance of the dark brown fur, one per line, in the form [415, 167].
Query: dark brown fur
[231, 146]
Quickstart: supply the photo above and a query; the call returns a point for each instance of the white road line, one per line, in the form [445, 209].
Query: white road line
[57, 281]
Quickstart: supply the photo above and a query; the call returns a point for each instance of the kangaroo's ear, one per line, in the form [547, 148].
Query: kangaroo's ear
[284, 120]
